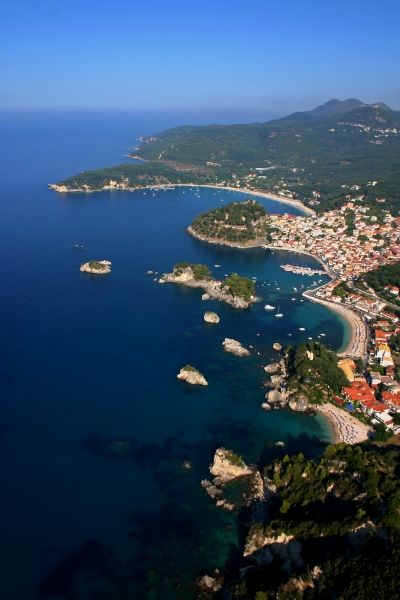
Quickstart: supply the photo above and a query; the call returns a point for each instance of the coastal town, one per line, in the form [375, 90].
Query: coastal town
[349, 242]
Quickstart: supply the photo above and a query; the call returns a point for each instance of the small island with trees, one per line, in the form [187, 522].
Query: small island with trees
[96, 267]
[239, 224]
[235, 290]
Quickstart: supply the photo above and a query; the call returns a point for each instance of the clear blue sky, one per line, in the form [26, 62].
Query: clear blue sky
[197, 54]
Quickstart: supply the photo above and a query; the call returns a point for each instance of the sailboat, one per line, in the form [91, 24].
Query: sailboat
[279, 314]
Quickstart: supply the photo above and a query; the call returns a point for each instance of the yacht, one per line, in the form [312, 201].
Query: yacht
[279, 314]
[269, 307]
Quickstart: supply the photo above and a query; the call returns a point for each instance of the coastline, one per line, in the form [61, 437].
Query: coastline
[346, 428]
[356, 346]
[63, 189]
[267, 195]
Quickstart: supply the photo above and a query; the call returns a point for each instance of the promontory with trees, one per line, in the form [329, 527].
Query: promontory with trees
[237, 223]
[332, 529]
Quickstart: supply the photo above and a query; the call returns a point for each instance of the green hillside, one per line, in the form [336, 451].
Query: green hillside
[320, 156]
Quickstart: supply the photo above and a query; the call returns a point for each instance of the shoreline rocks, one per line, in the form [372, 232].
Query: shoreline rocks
[229, 468]
[213, 289]
[97, 267]
[272, 368]
[235, 347]
[192, 376]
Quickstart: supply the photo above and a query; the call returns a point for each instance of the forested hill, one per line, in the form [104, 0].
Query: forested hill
[309, 154]
[340, 149]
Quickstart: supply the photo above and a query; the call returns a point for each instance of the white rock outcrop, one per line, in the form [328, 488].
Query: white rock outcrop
[235, 347]
[192, 376]
[98, 267]
[227, 466]
[211, 317]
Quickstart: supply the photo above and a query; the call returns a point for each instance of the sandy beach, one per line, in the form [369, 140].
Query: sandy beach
[357, 344]
[267, 195]
[347, 428]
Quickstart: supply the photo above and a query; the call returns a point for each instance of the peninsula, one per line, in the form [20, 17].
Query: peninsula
[321, 158]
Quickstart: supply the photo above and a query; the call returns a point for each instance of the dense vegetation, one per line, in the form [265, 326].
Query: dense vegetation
[313, 371]
[244, 287]
[236, 222]
[343, 512]
[96, 264]
[383, 276]
[200, 272]
[322, 155]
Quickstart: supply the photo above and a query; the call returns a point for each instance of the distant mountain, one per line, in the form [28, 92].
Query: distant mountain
[335, 107]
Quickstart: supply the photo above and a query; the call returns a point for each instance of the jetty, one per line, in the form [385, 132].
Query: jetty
[302, 270]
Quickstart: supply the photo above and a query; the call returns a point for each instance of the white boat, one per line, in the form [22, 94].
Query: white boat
[279, 314]
[302, 328]
[217, 266]
[269, 307]
[323, 334]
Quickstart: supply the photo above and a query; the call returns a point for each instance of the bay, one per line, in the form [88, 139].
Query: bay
[85, 361]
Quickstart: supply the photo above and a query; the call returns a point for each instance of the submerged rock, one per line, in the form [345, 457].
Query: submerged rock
[192, 376]
[211, 584]
[211, 317]
[98, 267]
[235, 347]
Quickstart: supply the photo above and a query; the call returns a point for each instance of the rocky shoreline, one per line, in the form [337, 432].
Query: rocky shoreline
[279, 394]
[213, 289]
[229, 468]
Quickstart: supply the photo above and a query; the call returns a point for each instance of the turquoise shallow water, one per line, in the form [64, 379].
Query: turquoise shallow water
[85, 360]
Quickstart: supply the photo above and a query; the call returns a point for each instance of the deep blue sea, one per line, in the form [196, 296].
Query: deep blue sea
[86, 361]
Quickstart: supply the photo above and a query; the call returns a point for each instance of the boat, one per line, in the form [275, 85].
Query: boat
[279, 314]
[302, 328]
[323, 334]
[269, 307]
[217, 266]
